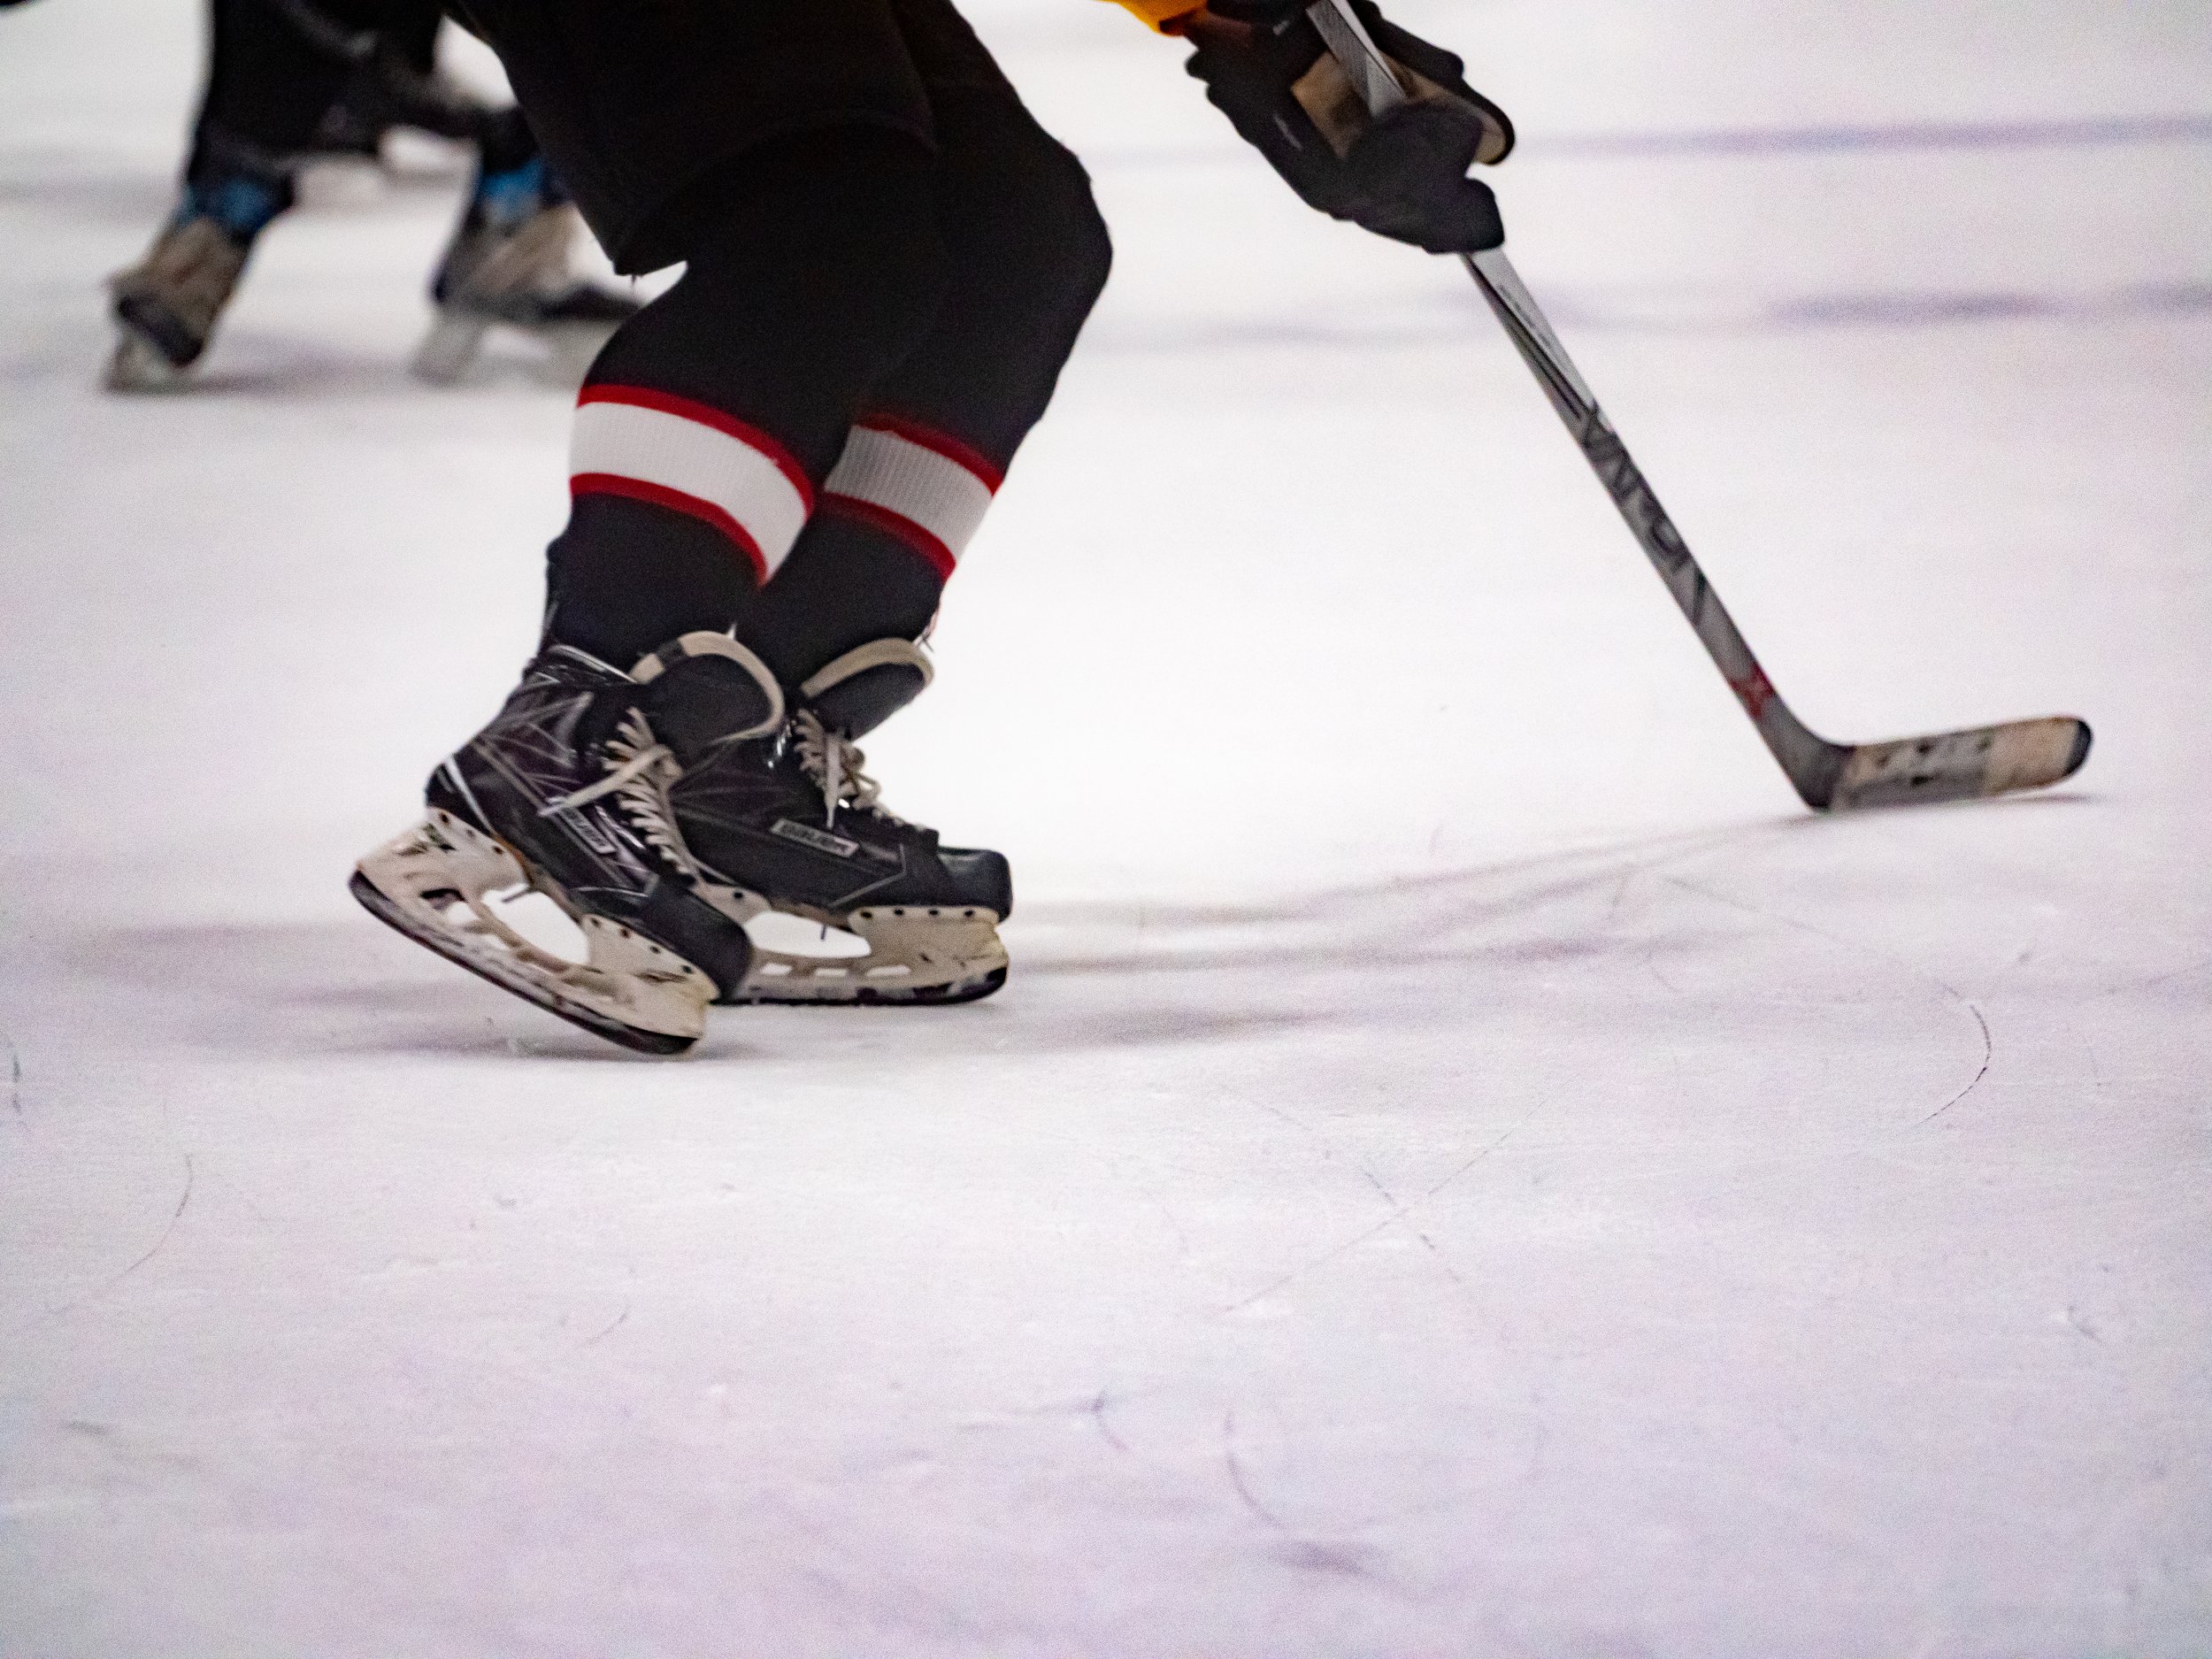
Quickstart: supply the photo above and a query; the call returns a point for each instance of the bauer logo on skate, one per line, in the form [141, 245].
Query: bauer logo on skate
[929, 490]
[653, 447]
[820, 840]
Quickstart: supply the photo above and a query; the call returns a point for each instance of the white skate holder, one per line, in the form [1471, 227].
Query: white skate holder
[535, 253]
[916, 953]
[432, 884]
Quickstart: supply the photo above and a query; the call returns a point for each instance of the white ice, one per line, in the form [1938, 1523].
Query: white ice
[1464, 1166]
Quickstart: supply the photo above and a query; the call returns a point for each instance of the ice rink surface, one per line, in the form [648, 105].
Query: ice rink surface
[1464, 1166]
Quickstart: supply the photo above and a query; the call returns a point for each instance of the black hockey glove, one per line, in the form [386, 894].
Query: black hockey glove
[1404, 176]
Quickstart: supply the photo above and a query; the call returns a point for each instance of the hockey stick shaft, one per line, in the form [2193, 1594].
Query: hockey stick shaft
[1985, 760]
[1805, 758]
[1811, 763]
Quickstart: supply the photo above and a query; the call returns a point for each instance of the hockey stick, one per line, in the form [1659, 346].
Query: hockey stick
[1944, 767]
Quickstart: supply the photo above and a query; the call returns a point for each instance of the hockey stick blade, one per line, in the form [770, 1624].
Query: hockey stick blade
[1958, 765]
[1828, 777]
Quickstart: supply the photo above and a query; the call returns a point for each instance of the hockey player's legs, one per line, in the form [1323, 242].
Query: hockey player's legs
[1025, 256]
[924, 440]
[704, 436]
[267, 85]
[507, 264]
[709, 431]
[708, 434]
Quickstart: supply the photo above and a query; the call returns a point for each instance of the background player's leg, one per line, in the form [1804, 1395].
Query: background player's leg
[1027, 255]
[708, 425]
[267, 84]
[398, 85]
[507, 263]
[281, 88]
[267, 91]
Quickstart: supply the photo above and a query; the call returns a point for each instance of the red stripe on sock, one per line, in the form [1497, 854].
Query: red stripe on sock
[896, 524]
[675, 501]
[958, 453]
[707, 415]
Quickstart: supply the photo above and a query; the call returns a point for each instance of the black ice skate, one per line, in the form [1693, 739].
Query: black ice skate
[167, 305]
[559, 794]
[507, 266]
[789, 821]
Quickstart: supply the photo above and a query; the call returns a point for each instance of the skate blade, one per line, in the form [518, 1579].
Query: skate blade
[534, 255]
[430, 884]
[570, 348]
[449, 346]
[138, 365]
[917, 954]
[456, 341]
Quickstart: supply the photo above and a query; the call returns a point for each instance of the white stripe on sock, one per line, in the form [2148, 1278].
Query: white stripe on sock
[943, 498]
[743, 483]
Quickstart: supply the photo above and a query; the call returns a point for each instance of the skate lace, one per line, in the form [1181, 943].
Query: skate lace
[836, 763]
[640, 771]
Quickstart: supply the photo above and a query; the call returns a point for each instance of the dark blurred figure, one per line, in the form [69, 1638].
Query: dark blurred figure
[289, 81]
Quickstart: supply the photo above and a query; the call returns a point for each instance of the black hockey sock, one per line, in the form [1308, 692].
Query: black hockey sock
[1029, 255]
[849, 581]
[862, 339]
[652, 575]
[707, 425]
[504, 142]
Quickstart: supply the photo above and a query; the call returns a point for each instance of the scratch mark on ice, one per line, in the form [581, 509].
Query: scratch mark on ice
[2177, 974]
[15, 1087]
[1989, 1047]
[620, 1319]
[1358, 1239]
[55, 1310]
[1182, 1238]
[1098, 1417]
[1989, 1053]
[1236, 1474]
[175, 1216]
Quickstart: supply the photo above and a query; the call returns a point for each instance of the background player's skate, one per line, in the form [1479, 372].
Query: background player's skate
[166, 306]
[543, 799]
[508, 267]
[290, 81]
